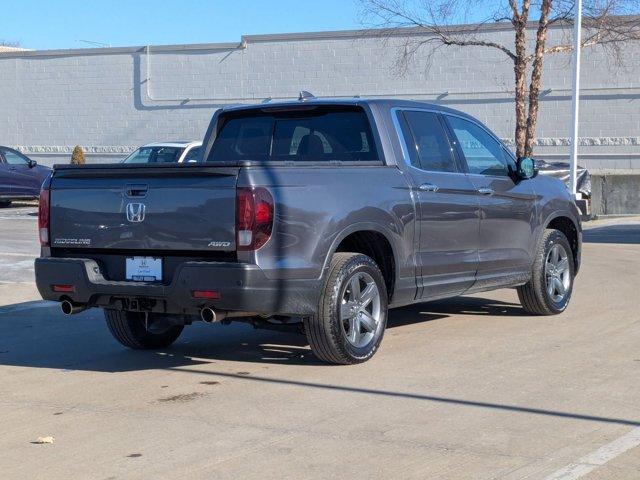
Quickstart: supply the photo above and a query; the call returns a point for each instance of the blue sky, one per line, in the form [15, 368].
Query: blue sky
[47, 24]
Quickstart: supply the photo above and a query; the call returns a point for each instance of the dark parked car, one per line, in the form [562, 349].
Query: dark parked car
[20, 177]
[315, 215]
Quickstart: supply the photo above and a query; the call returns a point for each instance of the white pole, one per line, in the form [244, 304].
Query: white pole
[577, 32]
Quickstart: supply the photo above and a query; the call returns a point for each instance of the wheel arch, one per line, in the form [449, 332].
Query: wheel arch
[570, 227]
[374, 241]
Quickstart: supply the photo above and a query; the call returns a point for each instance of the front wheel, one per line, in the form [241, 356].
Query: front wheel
[5, 203]
[132, 330]
[352, 312]
[551, 285]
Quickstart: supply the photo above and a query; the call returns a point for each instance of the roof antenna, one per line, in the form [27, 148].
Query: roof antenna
[304, 96]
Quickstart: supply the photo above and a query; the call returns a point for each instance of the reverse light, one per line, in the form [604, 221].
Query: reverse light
[43, 216]
[254, 217]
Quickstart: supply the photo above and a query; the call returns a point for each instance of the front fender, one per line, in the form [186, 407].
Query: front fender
[574, 217]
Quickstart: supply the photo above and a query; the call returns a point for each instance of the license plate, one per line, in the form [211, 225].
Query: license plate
[144, 269]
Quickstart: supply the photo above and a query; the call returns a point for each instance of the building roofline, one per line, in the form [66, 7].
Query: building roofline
[271, 37]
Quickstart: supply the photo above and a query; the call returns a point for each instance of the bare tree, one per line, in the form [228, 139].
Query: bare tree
[609, 23]
[4, 43]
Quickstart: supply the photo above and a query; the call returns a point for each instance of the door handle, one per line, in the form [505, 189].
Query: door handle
[428, 187]
[132, 190]
[485, 191]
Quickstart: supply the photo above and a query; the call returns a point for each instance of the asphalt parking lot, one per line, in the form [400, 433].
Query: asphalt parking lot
[18, 244]
[469, 388]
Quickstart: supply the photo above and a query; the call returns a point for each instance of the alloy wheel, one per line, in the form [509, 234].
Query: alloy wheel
[360, 309]
[557, 273]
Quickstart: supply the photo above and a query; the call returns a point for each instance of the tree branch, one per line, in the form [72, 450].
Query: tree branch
[395, 16]
[477, 43]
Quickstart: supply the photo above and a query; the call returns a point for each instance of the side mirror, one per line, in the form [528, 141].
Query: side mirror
[32, 163]
[526, 168]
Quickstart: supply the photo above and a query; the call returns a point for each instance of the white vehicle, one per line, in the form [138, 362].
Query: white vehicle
[167, 152]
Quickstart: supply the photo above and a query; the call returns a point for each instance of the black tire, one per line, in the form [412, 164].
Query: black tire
[325, 330]
[534, 296]
[5, 203]
[129, 329]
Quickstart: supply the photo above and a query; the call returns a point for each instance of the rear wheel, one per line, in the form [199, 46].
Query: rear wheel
[132, 330]
[352, 314]
[549, 290]
[5, 203]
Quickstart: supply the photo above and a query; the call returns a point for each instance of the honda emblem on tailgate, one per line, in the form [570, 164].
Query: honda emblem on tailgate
[135, 212]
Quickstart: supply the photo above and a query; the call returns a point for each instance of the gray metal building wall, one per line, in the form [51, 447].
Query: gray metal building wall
[113, 99]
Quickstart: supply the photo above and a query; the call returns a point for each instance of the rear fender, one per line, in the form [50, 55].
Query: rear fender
[361, 227]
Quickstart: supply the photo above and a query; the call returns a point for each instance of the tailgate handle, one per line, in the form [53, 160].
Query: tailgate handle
[136, 190]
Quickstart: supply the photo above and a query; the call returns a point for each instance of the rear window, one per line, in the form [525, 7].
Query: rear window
[318, 134]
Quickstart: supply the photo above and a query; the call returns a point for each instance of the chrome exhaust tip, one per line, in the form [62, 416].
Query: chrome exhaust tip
[209, 315]
[70, 308]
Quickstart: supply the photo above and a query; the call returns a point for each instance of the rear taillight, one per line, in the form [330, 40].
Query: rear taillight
[254, 217]
[43, 217]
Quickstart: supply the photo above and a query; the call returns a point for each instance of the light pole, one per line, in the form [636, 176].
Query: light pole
[575, 103]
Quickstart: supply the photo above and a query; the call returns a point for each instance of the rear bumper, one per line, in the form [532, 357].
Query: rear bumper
[241, 287]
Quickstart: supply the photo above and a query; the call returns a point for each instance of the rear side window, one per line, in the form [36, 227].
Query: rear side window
[428, 143]
[317, 134]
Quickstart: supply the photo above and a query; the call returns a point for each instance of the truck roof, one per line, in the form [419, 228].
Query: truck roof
[324, 101]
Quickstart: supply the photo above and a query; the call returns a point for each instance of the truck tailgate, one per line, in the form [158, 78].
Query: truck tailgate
[157, 208]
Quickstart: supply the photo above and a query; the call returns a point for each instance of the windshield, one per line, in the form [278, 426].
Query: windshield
[155, 155]
[317, 134]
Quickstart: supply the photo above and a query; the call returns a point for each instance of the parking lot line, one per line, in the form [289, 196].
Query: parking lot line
[603, 455]
[16, 254]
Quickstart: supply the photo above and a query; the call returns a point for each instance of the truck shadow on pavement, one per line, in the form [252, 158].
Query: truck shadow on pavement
[37, 335]
[622, 234]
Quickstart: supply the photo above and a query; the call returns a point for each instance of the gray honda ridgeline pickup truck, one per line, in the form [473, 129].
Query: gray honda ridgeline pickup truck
[315, 215]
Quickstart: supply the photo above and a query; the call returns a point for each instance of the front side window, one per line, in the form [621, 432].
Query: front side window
[14, 158]
[296, 135]
[155, 155]
[483, 153]
[511, 163]
[428, 143]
